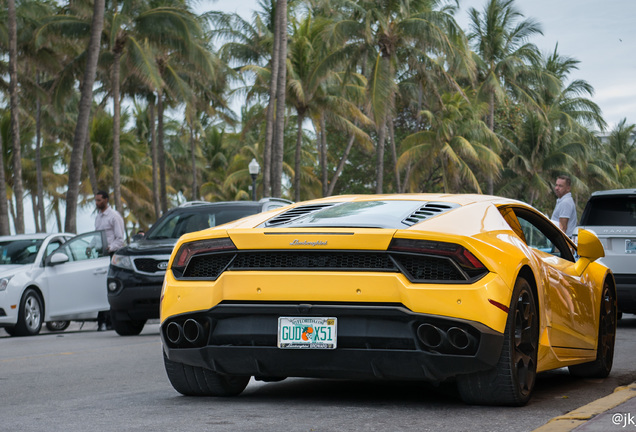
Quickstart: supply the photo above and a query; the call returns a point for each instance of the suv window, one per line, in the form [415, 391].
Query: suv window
[195, 218]
[610, 211]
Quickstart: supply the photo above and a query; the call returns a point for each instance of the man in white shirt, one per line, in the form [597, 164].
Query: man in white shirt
[110, 221]
[564, 215]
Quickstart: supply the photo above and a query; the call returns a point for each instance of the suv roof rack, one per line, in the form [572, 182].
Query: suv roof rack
[193, 203]
[270, 199]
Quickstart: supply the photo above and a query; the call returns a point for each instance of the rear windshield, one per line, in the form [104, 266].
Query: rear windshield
[174, 225]
[610, 211]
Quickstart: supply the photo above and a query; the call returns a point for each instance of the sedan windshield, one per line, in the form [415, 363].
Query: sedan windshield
[19, 251]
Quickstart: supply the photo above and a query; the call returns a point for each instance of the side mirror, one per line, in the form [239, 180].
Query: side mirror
[589, 249]
[57, 258]
[589, 246]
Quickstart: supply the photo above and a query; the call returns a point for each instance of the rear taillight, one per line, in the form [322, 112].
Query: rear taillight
[458, 253]
[188, 250]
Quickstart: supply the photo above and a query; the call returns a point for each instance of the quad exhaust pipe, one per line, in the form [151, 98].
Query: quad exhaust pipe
[174, 333]
[191, 332]
[436, 338]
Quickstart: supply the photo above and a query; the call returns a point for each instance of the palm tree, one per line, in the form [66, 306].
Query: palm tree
[253, 47]
[500, 39]
[279, 56]
[385, 34]
[455, 145]
[620, 151]
[179, 52]
[129, 29]
[311, 71]
[18, 188]
[81, 130]
[555, 135]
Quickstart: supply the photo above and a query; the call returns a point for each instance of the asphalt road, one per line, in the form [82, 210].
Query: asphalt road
[84, 380]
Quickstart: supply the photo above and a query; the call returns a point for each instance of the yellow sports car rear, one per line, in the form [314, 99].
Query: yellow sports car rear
[475, 289]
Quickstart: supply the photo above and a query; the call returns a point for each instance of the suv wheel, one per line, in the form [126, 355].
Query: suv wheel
[127, 327]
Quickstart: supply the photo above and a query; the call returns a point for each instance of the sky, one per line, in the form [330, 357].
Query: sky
[600, 34]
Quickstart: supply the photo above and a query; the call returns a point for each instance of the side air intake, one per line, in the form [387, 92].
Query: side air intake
[428, 210]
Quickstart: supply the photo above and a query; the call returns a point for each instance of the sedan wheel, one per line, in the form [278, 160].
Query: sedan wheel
[30, 314]
[55, 326]
[512, 381]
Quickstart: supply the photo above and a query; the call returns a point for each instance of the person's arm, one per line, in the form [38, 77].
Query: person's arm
[118, 231]
[563, 224]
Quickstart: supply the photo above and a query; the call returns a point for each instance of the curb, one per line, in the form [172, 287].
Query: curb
[579, 416]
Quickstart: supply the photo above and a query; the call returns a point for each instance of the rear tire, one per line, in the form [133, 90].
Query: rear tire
[602, 366]
[196, 381]
[30, 314]
[512, 380]
[56, 326]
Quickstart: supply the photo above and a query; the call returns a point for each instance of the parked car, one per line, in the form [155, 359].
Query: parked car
[611, 215]
[136, 272]
[51, 278]
[429, 287]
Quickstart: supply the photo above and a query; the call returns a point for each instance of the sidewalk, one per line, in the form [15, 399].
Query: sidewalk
[615, 412]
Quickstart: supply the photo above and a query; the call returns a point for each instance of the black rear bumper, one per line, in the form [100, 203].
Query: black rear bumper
[374, 342]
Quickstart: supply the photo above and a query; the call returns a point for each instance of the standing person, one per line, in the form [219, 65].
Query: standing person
[564, 214]
[110, 221]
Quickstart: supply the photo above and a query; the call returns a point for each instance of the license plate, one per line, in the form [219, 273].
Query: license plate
[307, 332]
[630, 246]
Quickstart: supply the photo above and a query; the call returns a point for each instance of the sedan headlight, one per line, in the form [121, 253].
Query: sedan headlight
[122, 261]
[4, 282]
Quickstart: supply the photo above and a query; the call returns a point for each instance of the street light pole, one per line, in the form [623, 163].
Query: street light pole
[254, 168]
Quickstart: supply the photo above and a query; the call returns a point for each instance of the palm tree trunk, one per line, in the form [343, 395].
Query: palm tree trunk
[341, 164]
[379, 161]
[4, 207]
[278, 147]
[491, 125]
[398, 187]
[116, 132]
[34, 206]
[161, 154]
[38, 162]
[269, 121]
[323, 155]
[58, 215]
[18, 188]
[90, 166]
[155, 162]
[195, 187]
[299, 141]
[81, 129]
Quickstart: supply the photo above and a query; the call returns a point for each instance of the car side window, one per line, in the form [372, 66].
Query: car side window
[536, 239]
[84, 247]
[52, 247]
[540, 233]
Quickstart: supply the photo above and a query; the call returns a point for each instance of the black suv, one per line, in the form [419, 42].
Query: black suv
[136, 271]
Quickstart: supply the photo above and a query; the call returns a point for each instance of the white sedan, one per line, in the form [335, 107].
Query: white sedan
[51, 278]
